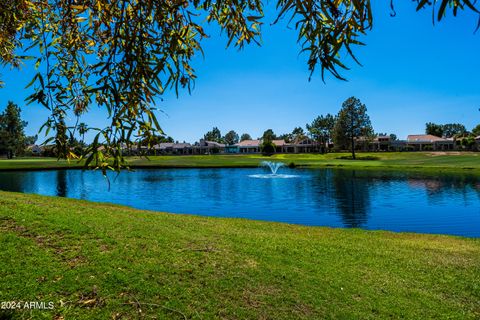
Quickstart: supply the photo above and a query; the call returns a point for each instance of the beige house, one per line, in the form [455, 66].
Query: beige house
[281, 146]
[419, 142]
[248, 146]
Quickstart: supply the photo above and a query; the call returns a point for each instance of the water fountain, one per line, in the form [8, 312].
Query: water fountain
[273, 166]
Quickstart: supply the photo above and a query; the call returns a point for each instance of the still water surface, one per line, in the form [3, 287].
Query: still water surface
[396, 201]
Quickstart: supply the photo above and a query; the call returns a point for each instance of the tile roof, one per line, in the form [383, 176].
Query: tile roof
[279, 143]
[249, 143]
[163, 145]
[181, 145]
[423, 138]
[214, 144]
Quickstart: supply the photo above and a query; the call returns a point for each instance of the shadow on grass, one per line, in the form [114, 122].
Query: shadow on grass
[358, 158]
[6, 314]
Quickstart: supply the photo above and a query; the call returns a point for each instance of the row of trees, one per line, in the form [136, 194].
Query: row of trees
[462, 136]
[450, 130]
[230, 138]
[343, 129]
[349, 127]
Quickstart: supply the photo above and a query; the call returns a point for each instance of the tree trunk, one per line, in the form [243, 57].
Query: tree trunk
[353, 148]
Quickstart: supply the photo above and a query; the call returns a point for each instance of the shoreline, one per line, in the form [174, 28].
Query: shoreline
[324, 164]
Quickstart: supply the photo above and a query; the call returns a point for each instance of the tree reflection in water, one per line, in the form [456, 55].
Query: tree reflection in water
[61, 183]
[352, 197]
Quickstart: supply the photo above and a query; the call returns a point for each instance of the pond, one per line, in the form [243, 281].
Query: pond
[396, 201]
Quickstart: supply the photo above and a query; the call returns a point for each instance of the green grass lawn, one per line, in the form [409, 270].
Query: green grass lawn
[452, 161]
[101, 261]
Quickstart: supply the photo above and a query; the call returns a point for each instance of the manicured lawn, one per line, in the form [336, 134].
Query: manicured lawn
[441, 161]
[36, 163]
[100, 261]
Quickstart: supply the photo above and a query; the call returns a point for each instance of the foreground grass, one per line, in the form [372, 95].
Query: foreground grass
[429, 161]
[99, 261]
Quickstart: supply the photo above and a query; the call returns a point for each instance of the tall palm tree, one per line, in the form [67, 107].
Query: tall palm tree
[82, 129]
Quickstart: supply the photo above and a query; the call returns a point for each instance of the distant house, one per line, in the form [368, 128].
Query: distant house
[280, 145]
[164, 148]
[182, 148]
[364, 143]
[419, 142]
[208, 147]
[248, 146]
[173, 148]
[382, 143]
[231, 148]
[378, 143]
[477, 143]
[36, 150]
[305, 145]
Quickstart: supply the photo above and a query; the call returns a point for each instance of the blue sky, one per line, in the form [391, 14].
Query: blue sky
[413, 72]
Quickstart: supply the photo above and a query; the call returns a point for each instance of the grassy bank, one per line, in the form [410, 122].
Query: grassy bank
[439, 161]
[99, 261]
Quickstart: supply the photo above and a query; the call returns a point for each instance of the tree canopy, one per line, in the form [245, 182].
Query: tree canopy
[448, 130]
[12, 136]
[267, 146]
[245, 136]
[231, 137]
[269, 135]
[321, 129]
[476, 130]
[352, 123]
[434, 129]
[213, 135]
[120, 55]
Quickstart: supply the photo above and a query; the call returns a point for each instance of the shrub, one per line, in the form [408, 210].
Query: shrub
[268, 148]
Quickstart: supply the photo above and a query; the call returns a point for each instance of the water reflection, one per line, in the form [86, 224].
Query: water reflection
[61, 183]
[352, 198]
[340, 198]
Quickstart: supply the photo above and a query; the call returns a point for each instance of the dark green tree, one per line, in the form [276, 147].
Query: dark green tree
[393, 137]
[467, 142]
[476, 130]
[29, 140]
[451, 130]
[12, 136]
[157, 140]
[352, 123]
[298, 134]
[82, 130]
[448, 130]
[267, 145]
[321, 130]
[213, 135]
[245, 136]
[231, 137]
[434, 129]
[286, 136]
[269, 135]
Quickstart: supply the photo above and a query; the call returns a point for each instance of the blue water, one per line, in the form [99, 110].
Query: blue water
[447, 204]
